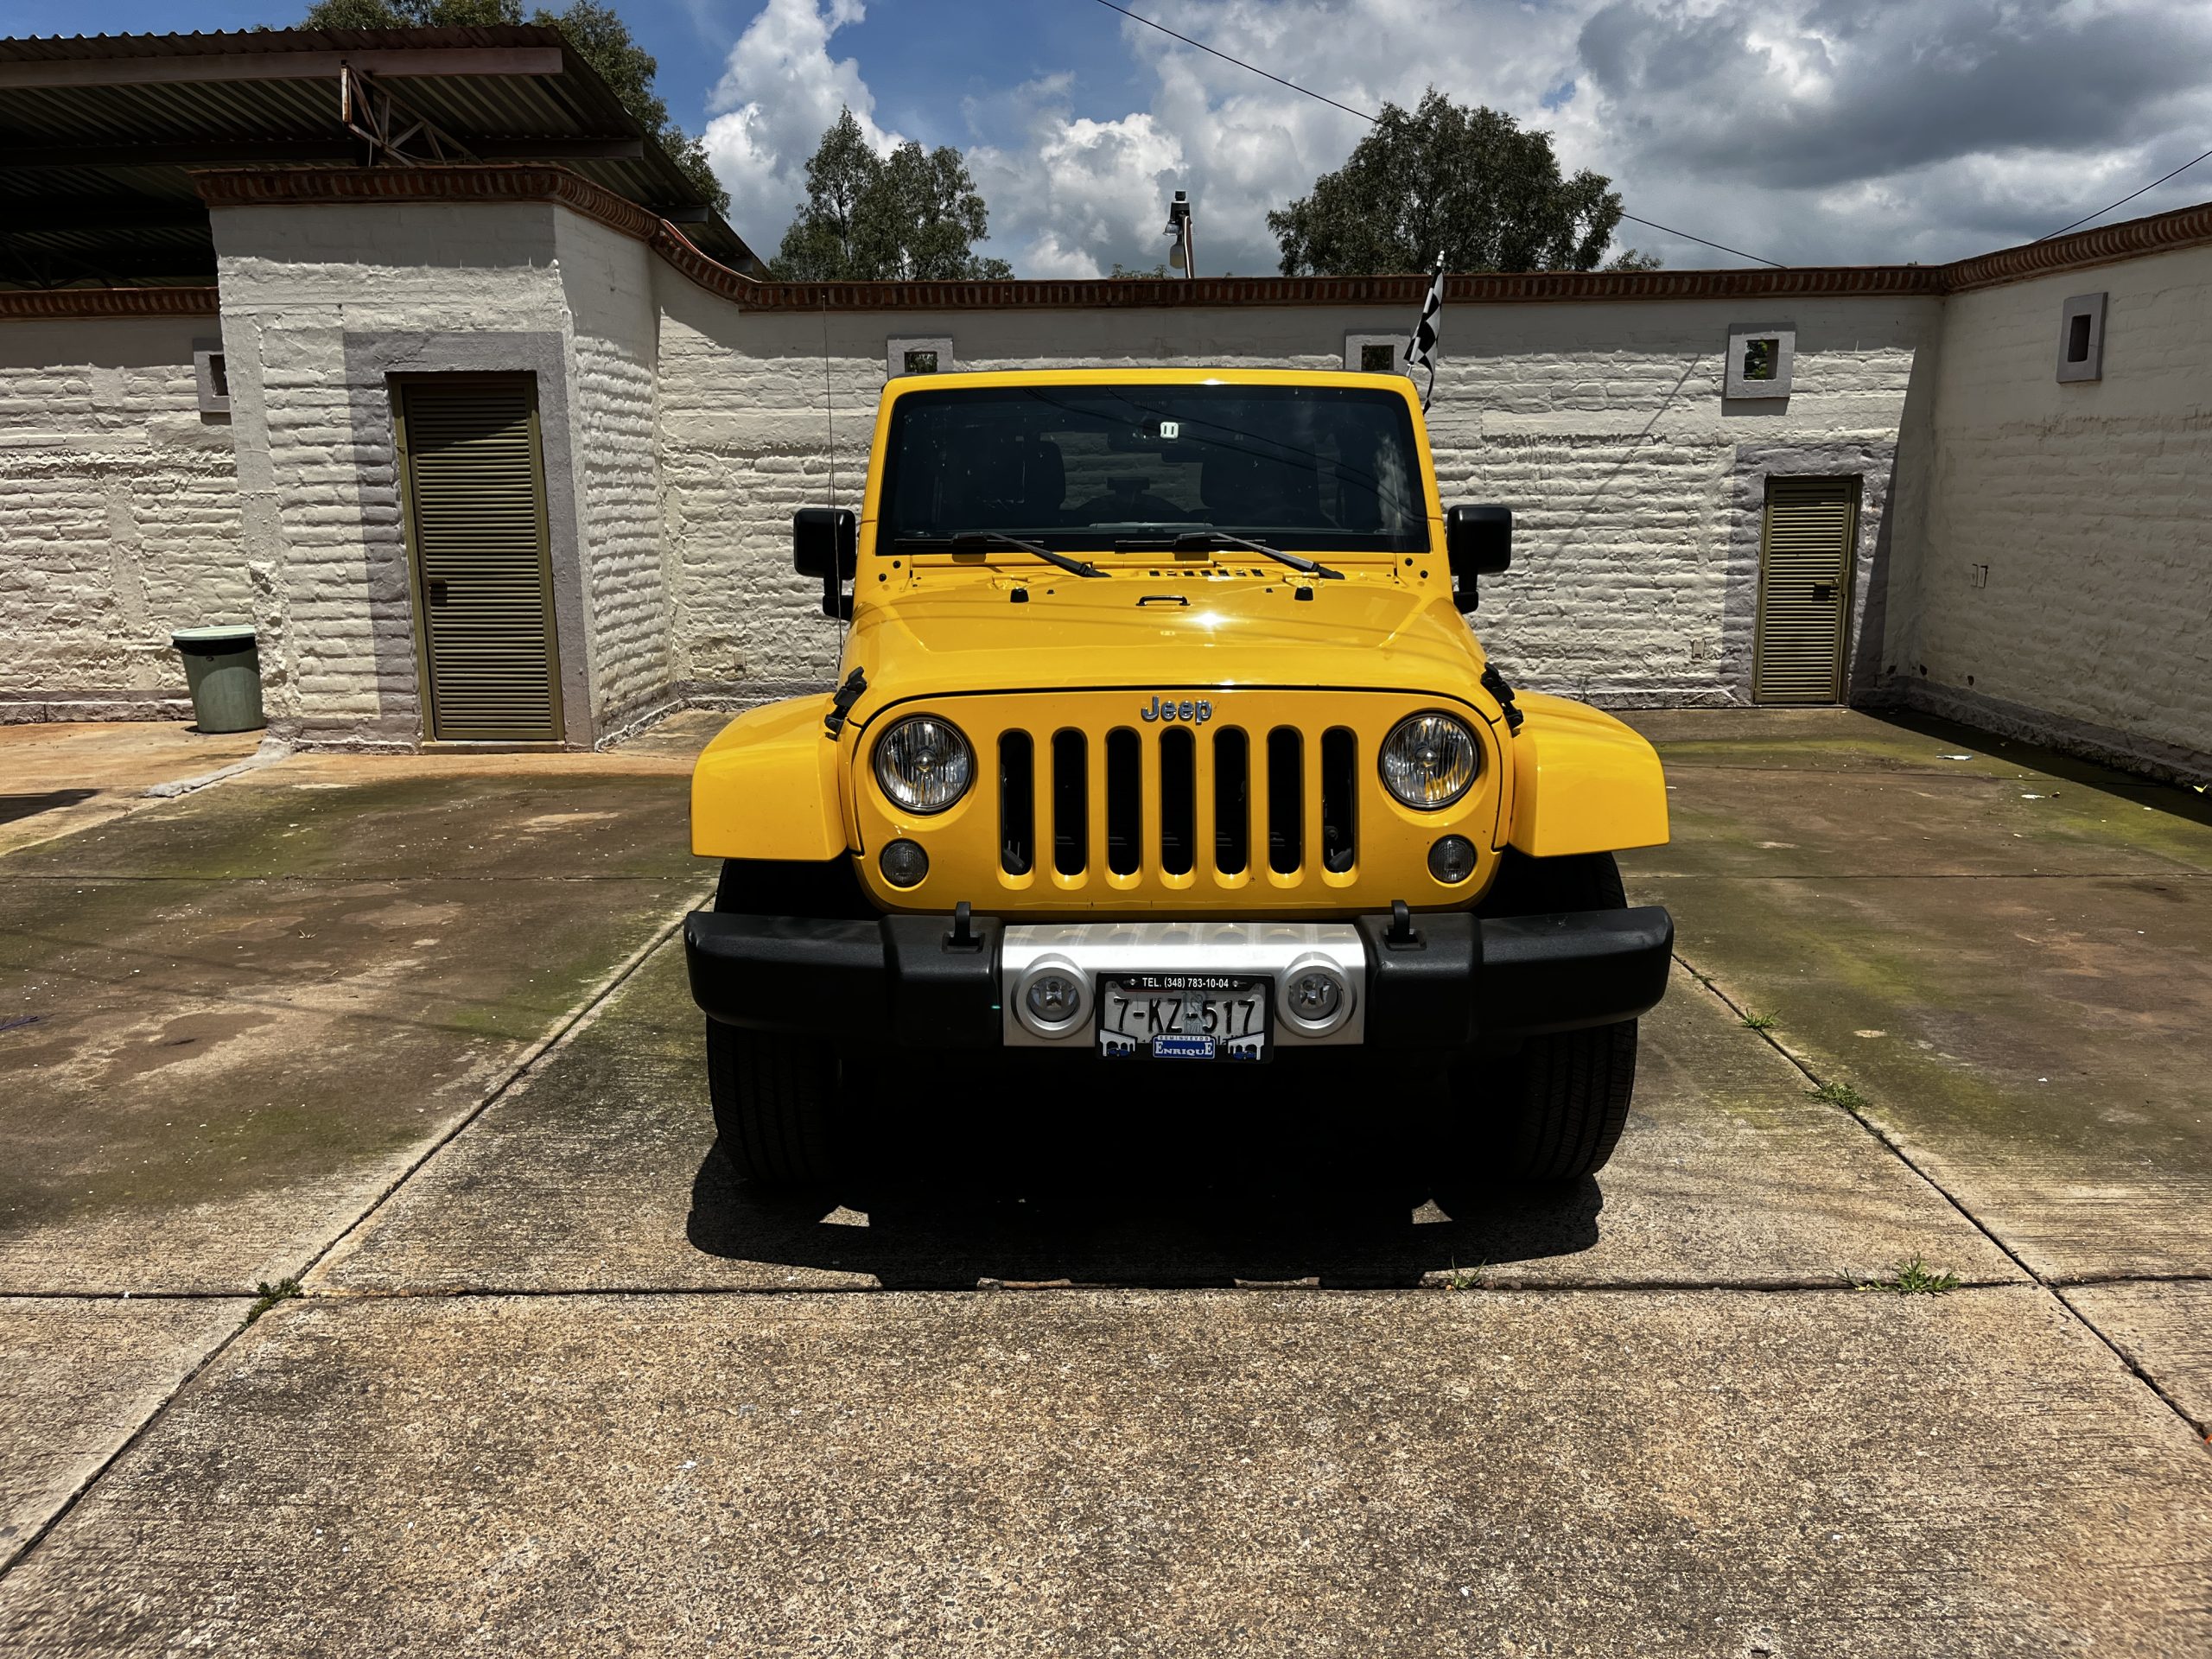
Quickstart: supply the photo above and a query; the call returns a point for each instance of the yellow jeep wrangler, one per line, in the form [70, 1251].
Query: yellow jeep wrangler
[1159, 737]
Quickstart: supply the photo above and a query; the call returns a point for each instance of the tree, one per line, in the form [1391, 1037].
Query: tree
[1634, 259]
[913, 215]
[600, 38]
[1467, 181]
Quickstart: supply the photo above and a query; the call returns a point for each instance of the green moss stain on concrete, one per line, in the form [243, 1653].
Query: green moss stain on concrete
[184, 1052]
[1774, 824]
[230, 1005]
[2070, 1050]
[575, 826]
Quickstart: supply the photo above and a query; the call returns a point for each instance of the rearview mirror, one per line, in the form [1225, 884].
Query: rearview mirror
[825, 542]
[1478, 542]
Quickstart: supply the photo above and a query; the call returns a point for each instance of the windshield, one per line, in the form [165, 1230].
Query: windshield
[1321, 468]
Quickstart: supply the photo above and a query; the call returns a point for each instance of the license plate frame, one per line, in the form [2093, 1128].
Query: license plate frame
[1243, 1003]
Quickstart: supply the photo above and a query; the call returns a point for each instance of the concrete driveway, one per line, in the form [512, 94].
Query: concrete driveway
[412, 1035]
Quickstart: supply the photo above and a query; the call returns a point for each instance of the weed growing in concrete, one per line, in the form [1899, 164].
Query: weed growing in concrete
[1839, 1093]
[282, 1291]
[1465, 1279]
[1759, 1021]
[1913, 1278]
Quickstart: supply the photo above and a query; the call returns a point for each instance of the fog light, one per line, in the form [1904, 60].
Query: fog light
[1313, 995]
[1052, 999]
[1451, 861]
[1316, 996]
[904, 864]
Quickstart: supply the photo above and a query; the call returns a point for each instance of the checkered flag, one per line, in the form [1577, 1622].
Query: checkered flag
[1422, 348]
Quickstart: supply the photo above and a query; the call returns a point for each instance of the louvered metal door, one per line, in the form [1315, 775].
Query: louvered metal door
[475, 501]
[1804, 589]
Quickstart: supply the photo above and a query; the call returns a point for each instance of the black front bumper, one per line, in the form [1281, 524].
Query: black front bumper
[1459, 979]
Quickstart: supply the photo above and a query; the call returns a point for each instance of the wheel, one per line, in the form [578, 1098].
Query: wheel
[1554, 1110]
[776, 1099]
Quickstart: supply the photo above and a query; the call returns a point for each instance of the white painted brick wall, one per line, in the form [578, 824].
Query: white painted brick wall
[118, 509]
[614, 325]
[2090, 505]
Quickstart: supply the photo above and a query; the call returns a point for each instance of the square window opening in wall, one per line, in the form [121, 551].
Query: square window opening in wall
[910, 354]
[2082, 338]
[1375, 353]
[212, 374]
[1760, 361]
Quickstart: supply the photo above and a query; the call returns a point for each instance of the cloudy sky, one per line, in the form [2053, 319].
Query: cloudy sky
[1805, 131]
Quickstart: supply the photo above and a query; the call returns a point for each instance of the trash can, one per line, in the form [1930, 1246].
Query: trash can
[224, 671]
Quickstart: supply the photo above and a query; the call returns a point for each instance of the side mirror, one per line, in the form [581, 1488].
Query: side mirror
[1478, 542]
[825, 542]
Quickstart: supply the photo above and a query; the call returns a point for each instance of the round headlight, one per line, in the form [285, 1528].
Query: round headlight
[1429, 761]
[923, 764]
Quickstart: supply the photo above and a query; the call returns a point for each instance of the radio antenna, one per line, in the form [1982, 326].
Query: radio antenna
[830, 425]
[828, 418]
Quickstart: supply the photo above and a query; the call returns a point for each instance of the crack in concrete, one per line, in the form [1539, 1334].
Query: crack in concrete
[2201, 1432]
[1434, 1280]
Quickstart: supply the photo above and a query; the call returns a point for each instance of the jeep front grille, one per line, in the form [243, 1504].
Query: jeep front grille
[1273, 807]
[1177, 767]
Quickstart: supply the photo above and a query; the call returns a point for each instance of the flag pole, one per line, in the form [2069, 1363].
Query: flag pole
[1420, 347]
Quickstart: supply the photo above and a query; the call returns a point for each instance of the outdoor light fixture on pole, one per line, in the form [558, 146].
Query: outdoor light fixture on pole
[1179, 226]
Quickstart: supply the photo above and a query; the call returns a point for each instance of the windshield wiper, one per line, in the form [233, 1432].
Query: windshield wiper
[1206, 541]
[998, 538]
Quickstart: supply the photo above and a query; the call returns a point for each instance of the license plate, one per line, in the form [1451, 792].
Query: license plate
[1183, 1017]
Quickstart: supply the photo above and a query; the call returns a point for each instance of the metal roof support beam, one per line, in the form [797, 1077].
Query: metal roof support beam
[278, 152]
[279, 65]
[393, 132]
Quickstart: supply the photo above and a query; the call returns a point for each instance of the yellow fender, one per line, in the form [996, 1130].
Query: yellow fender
[768, 787]
[1582, 782]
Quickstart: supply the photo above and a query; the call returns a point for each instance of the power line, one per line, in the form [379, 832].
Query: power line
[1371, 120]
[1377, 121]
[2122, 202]
[1759, 258]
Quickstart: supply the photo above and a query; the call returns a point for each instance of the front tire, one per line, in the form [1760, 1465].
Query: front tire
[777, 1105]
[1553, 1111]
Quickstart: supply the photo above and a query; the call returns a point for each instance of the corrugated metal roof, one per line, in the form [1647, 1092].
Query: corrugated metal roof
[97, 132]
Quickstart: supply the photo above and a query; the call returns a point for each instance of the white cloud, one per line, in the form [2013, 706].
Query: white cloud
[1242, 145]
[779, 92]
[1078, 193]
[1817, 130]
[1810, 131]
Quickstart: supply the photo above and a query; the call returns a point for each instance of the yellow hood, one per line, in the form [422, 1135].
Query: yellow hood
[1363, 633]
